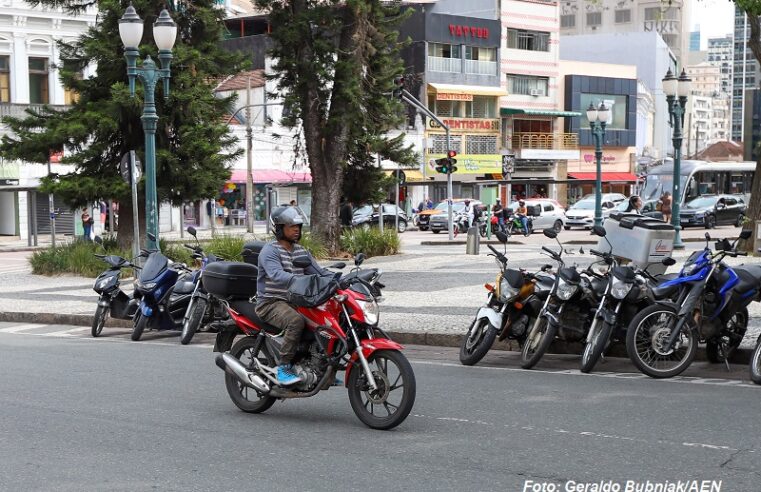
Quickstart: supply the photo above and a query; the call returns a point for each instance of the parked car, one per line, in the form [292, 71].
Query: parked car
[424, 216]
[582, 213]
[367, 215]
[544, 212]
[712, 210]
[649, 209]
[438, 221]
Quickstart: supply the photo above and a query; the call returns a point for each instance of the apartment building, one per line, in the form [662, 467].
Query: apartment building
[720, 55]
[745, 74]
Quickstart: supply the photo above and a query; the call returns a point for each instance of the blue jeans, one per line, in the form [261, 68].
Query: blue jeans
[524, 222]
[87, 230]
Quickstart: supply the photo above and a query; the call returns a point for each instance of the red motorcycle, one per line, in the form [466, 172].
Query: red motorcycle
[341, 334]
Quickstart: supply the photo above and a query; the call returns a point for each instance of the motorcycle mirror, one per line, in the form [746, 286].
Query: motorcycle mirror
[708, 237]
[359, 259]
[668, 261]
[745, 234]
[302, 262]
[192, 231]
[546, 268]
[599, 230]
[550, 233]
[98, 240]
[501, 237]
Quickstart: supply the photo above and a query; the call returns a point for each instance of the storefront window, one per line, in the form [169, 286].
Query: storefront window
[481, 144]
[481, 107]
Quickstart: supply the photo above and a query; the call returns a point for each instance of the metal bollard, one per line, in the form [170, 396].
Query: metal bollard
[473, 243]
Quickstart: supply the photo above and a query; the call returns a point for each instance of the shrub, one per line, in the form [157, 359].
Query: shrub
[227, 246]
[76, 257]
[371, 242]
[313, 245]
[177, 253]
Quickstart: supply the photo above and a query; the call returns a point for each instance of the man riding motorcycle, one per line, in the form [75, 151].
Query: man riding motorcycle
[522, 213]
[276, 269]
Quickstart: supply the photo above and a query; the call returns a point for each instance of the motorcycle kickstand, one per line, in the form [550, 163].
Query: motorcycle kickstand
[724, 354]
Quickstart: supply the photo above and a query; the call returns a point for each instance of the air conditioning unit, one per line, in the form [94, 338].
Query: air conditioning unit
[534, 92]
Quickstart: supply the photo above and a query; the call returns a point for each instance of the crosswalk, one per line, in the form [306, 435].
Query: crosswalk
[14, 263]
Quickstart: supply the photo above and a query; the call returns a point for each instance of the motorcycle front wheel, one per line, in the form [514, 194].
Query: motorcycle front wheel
[537, 342]
[141, 322]
[593, 350]
[755, 363]
[647, 336]
[193, 323]
[248, 399]
[99, 320]
[391, 403]
[477, 342]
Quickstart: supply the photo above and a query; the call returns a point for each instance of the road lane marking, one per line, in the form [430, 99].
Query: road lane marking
[20, 328]
[64, 333]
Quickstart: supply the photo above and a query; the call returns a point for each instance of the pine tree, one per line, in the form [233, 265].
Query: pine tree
[193, 143]
[335, 65]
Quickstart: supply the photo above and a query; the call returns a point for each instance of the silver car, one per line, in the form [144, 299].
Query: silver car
[582, 213]
[544, 212]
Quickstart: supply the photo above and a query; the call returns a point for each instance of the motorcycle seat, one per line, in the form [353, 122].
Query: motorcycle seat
[750, 278]
[663, 292]
[248, 309]
[184, 287]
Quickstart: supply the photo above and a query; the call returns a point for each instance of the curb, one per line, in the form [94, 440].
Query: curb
[741, 356]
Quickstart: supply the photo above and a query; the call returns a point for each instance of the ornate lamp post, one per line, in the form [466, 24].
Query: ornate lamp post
[676, 91]
[598, 118]
[164, 34]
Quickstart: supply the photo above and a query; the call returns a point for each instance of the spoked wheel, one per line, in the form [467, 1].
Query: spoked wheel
[646, 342]
[755, 363]
[141, 322]
[194, 321]
[389, 405]
[248, 399]
[593, 350]
[99, 320]
[537, 342]
[721, 349]
[477, 341]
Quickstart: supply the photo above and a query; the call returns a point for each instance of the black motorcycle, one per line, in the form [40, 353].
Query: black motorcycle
[112, 301]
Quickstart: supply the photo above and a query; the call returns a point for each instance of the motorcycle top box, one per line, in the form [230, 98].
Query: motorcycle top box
[641, 240]
[227, 279]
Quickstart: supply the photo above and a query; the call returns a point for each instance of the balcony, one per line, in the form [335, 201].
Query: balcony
[481, 67]
[441, 64]
[546, 146]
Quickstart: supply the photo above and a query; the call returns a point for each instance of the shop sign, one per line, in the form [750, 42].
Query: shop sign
[446, 96]
[605, 158]
[471, 163]
[469, 124]
[9, 182]
[461, 31]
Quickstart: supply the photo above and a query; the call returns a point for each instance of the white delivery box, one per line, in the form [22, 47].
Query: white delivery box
[638, 240]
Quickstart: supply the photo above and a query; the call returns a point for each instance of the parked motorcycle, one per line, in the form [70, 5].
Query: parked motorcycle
[112, 301]
[342, 334]
[755, 363]
[711, 307]
[513, 303]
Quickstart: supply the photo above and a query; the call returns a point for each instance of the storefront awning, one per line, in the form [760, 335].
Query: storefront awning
[606, 177]
[410, 175]
[477, 90]
[271, 176]
[538, 112]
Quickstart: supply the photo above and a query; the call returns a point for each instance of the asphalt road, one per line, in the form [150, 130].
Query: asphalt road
[106, 414]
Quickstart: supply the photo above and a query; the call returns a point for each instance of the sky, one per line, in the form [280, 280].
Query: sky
[715, 17]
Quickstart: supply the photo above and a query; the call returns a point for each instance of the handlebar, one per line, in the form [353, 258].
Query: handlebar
[599, 253]
[548, 250]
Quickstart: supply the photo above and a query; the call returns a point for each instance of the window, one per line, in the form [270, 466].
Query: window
[480, 54]
[5, 79]
[594, 18]
[444, 50]
[527, 85]
[548, 207]
[623, 16]
[481, 107]
[656, 14]
[439, 144]
[568, 20]
[38, 81]
[71, 96]
[481, 144]
[451, 109]
[528, 40]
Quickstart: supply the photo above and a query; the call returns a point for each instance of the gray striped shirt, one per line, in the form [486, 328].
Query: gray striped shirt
[276, 269]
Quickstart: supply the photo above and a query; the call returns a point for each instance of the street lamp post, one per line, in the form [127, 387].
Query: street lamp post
[598, 118]
[164, 34]
[677, 90]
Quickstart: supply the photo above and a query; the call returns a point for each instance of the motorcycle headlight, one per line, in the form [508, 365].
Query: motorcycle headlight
[565, 290]
[620, 289]
[506, 291]
[689, 269]
[146, 286]
[101, 284]
[371, 311]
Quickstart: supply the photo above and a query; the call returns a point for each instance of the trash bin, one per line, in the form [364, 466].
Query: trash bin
[473, 243]
[642, 241]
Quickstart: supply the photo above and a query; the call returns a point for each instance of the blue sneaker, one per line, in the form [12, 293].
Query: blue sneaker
[286, 376]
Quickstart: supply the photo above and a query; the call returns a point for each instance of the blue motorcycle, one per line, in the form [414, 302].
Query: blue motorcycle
[711, 307]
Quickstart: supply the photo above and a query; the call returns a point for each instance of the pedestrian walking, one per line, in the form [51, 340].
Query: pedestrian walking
[87, 223]
[666, 206]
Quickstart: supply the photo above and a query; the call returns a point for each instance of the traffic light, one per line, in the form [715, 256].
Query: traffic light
[442, 165]
[452, 161]
[398, 86]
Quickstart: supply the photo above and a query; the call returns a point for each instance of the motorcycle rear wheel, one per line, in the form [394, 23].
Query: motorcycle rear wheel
[139, 327]
[364, 401]
[477, 342]
[99, 320]
[646, 335]
[537, 342]
[755, 363]
[248, 399]
[593, 350]
[193, 323]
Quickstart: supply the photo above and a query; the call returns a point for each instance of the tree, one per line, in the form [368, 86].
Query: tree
[335, 65]
[193, 142]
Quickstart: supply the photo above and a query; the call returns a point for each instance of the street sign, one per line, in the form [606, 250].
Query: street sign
[508, 165]
[124, 168]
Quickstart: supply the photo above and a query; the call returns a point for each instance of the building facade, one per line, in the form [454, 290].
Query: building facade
[720, 55]
[669, 19]
[745, 74]
[695, 39]
[29, 58]
[707, 115]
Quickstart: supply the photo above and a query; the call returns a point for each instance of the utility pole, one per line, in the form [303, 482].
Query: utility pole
[249, 162]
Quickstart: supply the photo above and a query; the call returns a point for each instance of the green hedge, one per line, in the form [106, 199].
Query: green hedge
[75, 258]
[371, 242]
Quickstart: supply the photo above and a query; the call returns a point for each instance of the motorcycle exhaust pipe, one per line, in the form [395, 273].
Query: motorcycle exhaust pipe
[234, 368]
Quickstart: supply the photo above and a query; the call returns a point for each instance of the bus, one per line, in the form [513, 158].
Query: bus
[699, 178]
